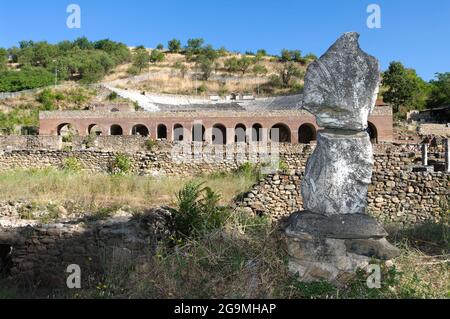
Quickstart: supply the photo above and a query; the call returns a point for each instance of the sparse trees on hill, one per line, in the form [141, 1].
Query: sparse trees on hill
[206, 67]
[259, 70]
[160, 47]
[174, 46]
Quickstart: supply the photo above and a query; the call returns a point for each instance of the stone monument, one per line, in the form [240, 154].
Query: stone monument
[334, 235]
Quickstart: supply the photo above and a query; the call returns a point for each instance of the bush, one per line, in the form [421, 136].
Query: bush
[133, 70]
[30, 78]
[198, 211]
[72, 164]
[122, 164]
[174, 46]
[150, 144]
[156, 56]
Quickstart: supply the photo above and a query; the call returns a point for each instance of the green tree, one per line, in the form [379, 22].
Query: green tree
[156, 56]
[174, 45]
[195, 45]
[291, 55]
[439, 90]
[182, 68]
[141, 59]
[259, 70]
[206, 67]
[289, 71]
[401, 86]
[160, 47]
[3, 59]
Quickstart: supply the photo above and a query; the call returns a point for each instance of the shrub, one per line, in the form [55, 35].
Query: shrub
[174, 46]
[156, 56]
[30, 78]
[202, 89]
[198, 211]
[72, 164]
[150, 144]
[90, 140]
[113, 96]
[122, 164]
[133, 70]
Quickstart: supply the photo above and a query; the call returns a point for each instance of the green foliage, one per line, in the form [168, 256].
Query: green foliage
[122, 164]
[198, 211]
[261, 52]
[160, 47]
[30, 78]
[291, 55]
[140, 59]
[283, 167]
[402, 84]
[174, 46]
[78, 60]
[157, 56]
[113, 96]
[194, 46]
[150, 144]
[133, 70]
[288, 72]
[205, 66]
[48, 98]
[3, 59]
[440, 90]
[202, 89]
[259, 70]
[89, 141]
[242, 65]
[72, 164]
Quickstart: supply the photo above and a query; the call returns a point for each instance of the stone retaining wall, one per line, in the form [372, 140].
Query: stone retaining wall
[395, 196]
[39, 254]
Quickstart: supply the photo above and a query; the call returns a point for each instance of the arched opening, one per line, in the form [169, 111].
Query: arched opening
[373, 132]
[63, 129]
[257, 133]
[307, 133]
[239, 133]
[140, 130]
[94, 129]
[116, 130]
[198, 133]
[280, 133]
[219, 134]
[162, 132]
[178, 132]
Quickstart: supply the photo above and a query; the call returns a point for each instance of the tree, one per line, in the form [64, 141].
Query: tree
[194, 45]
[156, 56]
[244, 64]
[3, 59]
[439, 90]
[291, 55]
[288, 71]
[182, 68]
[259, 70]
[206, 67]
[160, 47]
[141, 59]
[261, 53]
[174, 46]
[401, 86]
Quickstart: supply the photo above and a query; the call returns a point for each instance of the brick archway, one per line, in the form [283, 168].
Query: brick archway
[307, 133]
[219, 134]
[284, 133]
[115, 130]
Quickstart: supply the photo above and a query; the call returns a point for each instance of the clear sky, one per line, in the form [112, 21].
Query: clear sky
[417, 33]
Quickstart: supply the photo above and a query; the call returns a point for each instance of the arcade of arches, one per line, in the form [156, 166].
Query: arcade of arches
[218, 134]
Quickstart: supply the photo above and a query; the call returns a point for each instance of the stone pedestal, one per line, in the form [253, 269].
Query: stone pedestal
[332, 248]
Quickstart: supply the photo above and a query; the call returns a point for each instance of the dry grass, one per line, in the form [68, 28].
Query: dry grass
[43, 186]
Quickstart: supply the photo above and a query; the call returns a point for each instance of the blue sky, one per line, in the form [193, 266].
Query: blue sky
[416, 33]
